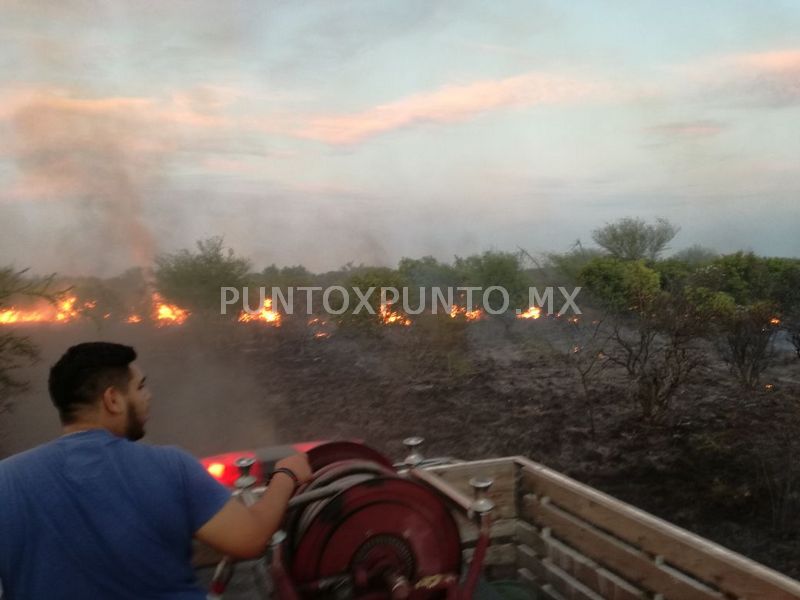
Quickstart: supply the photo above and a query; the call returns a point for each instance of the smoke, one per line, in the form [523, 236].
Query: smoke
[205, 398]
[99, 158]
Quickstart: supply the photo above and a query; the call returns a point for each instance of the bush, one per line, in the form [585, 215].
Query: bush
[193, 279]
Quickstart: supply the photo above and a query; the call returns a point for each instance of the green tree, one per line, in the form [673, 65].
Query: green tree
[620, 286]
[652, 332]
[696, 255]
[428, 272]
[748, 299]
[634, 239]
[193, 279]
[284, 277]
[493, 268]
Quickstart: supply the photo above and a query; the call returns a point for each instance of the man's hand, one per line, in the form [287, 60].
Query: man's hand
[297, 464]
[244, 531]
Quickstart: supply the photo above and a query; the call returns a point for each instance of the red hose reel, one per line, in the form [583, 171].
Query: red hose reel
[372, 534]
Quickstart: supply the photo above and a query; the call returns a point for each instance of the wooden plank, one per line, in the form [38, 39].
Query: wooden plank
[552, 593]
[568, 586]
[528, 559]
[503, 471]
[602, 581]
[619, 557]
[502, 530]
[529, 535]
[730, 572]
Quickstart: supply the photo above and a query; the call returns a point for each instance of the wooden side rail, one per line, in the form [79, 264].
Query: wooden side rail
[644, 550]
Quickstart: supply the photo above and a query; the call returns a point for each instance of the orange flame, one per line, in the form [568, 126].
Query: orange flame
[134, 319]
[389, 317]
[775, 321]
[168, 314]
[14, 315]
[534, 312]
[266, 314]
[62, 312]
[470, 315]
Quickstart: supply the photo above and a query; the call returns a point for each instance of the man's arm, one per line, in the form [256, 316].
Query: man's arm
[244, 531]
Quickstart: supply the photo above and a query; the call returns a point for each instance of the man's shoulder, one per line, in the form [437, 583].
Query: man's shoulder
[28, 457]
[169, 460]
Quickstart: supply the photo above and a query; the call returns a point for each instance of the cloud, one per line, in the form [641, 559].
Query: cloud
[765, 79]
[688, 130]
[448, 104]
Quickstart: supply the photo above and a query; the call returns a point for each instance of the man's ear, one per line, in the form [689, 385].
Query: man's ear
[113, 401]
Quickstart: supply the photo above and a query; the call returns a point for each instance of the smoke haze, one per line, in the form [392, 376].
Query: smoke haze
[324, 134]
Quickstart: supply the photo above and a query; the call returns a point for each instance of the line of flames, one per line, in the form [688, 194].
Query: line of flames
[165, 313]
[68, 309]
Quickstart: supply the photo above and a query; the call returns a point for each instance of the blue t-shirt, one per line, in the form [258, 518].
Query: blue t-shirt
[91, 516]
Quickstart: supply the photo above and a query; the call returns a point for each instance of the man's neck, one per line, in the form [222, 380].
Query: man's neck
[80, 426]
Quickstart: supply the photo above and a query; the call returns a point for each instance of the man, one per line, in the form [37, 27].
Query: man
[93, 515]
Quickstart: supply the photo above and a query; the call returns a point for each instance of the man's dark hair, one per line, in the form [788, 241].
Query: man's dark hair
[84, 372]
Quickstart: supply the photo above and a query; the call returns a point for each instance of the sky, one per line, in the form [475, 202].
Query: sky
[322, 132]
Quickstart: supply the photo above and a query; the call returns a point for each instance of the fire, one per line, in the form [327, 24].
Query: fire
[13, 315]
[534, 312]
[320, 328]
[66, 309]
[168, 314]
[389, 317]
[63, 311]
[775, 321]
[134, 319]
[469, 315]
[266, 314]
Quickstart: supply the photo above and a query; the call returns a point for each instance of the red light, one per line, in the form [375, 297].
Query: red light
[222, 467]
[217, 470]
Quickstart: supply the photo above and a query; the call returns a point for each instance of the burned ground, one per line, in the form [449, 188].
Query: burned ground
[721, 461]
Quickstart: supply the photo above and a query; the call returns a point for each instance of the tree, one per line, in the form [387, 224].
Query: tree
[492, 268]
[428, 272]
[284, 277]
[16, 350]
[633, 239]
[652, 331]
[748, 299]
[193, 279]
[586, 354]
[695, 255]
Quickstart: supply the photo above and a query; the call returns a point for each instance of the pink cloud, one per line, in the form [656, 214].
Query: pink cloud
[194, 108]
[776, 61]
[448, 104]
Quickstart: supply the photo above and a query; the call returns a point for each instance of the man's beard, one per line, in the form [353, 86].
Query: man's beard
[134, 428]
